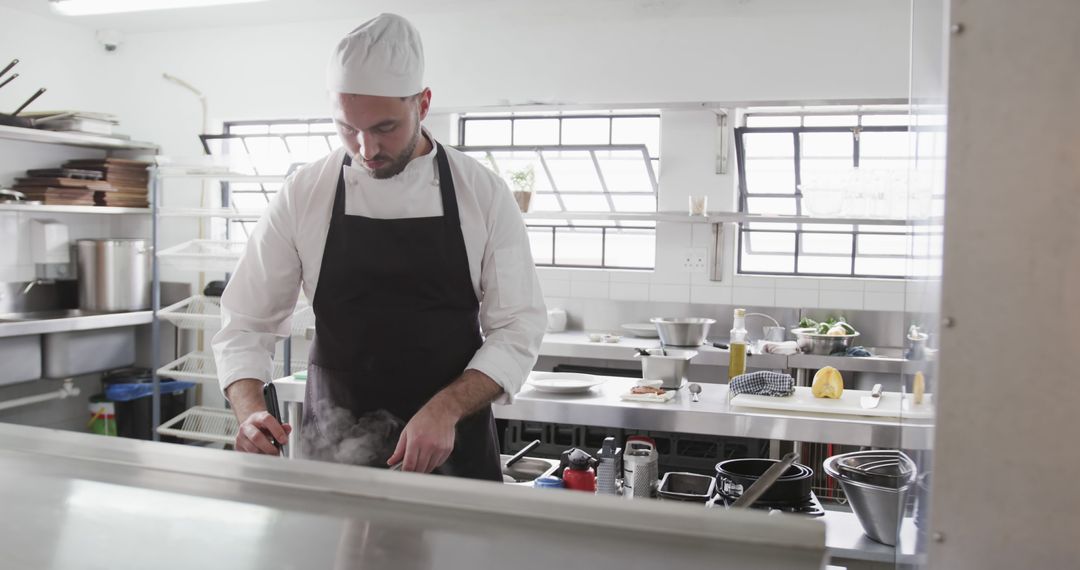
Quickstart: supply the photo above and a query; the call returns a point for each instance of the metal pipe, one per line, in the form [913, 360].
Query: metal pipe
[68, 390]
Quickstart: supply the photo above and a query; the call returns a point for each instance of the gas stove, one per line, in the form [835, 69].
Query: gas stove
[809, 506]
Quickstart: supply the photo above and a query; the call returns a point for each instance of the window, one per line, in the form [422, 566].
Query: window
[867, 164]
[267, 148]
[596, 164]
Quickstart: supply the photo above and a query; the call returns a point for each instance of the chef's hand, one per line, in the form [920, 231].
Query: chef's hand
[426, 441]
[256, 432]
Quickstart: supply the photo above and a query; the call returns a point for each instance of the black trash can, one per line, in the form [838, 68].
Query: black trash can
[131, 392]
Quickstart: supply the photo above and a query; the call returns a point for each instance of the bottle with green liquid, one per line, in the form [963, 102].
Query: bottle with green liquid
[737, 345]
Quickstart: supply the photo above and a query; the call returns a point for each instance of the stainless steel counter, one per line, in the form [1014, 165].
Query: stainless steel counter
[602, 407]
[83, 501]
[75, 323]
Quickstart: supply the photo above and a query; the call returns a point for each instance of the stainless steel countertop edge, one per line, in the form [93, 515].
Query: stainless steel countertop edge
[89, 322]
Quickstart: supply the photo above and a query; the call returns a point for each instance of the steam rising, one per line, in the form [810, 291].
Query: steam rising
[341, 438]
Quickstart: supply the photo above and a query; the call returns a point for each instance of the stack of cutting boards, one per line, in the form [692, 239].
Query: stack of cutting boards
[129, 181]
[89, 182]
[62, 186]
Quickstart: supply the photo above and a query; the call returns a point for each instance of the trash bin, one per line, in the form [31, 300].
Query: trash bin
[131, 392]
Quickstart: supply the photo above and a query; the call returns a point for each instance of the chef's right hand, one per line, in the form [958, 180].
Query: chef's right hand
[256, 432]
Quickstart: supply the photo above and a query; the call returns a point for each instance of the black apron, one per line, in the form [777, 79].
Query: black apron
[396, 321]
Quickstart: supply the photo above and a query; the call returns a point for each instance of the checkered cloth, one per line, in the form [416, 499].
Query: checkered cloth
[763, 383]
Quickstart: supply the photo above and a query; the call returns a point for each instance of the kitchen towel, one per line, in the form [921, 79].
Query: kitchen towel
[785, 348]
[763, 383]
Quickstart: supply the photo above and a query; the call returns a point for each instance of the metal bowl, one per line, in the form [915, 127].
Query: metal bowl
[813, 343]
[690, 331]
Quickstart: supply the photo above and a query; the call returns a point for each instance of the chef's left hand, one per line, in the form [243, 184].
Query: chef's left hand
[426, 441]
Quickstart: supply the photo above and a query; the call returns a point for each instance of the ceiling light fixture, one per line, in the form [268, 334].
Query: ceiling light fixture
[94, 7]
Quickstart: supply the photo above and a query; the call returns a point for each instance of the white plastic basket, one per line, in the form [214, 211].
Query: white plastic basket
[203, 255]
[204, 313]
[214, 425]
[200, 367]
[198, 312]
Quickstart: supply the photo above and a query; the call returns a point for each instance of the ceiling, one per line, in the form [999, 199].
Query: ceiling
[285, 11]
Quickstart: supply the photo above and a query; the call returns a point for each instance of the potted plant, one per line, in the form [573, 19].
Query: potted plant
[522, 181]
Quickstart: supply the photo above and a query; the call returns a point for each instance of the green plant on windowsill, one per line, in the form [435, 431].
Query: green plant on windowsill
[522, 182]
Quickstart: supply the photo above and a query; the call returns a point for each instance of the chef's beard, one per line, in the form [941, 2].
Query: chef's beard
[399, 162]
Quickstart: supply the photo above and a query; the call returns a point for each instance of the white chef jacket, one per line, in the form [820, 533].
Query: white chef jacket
[285, 254]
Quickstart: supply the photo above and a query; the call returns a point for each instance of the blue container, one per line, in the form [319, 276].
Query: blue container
[548, 482]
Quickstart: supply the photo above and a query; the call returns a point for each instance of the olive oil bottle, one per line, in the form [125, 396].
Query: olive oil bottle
[737, 345]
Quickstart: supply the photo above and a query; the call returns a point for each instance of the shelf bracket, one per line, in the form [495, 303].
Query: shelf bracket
[722, 143]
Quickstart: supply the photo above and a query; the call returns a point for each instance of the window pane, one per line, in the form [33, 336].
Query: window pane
[624, 171]
[248, 129]
[644, 130]
[773, 253]
[769, 145]
[578, 247]
[573, 171]
[773, 120]
[827, 144]
[830, 120]
[487, 132]
[882, 266]
[886, 120]
[586, 203]
[770, 176]
[544, 203]
[828, 265]
[827, 243]
[541, 245]
[586, 131]
[875, 145]
[625, 203]
[248, 202]
[536, 131]
[631, 248]
[776, 206]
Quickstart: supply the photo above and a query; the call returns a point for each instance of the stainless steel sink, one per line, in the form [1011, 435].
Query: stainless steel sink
[527, 470]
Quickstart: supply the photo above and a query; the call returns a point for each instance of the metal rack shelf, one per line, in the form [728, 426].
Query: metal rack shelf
[201, 367]
[199, 312]
[73, 139]
[225, 213]
[73, 209]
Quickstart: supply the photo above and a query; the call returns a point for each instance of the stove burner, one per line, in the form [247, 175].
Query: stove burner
[809, 506]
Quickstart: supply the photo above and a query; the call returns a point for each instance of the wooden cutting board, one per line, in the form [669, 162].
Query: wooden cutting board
[848, 404]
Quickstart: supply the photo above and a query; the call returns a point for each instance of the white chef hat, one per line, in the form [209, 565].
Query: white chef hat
[383, 57]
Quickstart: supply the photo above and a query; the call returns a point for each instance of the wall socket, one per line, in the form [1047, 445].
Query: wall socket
[695, 259]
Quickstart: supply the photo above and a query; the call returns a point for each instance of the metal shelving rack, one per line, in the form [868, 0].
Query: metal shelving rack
[200, 313]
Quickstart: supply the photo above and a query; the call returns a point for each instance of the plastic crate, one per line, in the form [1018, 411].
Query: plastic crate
[204, 313]
[200, 423]
[203, 255]
[200, 367]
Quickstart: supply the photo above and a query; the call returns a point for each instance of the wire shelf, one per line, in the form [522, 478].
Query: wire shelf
[200, 367]
[200, 312]
[214, 425]
[204, 255]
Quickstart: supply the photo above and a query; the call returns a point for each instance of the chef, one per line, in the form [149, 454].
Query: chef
[427, 304]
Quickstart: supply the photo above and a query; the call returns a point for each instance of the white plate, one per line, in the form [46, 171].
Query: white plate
[642, 330]
[563, 382]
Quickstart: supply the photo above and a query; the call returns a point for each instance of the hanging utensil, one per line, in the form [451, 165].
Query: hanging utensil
[28, 101]
[13, 63]
[751, 495]
[9, 79]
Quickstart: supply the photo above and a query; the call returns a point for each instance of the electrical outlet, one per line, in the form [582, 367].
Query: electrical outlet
[694, 259]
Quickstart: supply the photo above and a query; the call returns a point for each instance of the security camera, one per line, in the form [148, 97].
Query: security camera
[110, 39]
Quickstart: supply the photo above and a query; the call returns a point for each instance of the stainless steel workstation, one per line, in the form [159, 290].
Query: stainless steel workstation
[685, 274]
